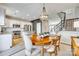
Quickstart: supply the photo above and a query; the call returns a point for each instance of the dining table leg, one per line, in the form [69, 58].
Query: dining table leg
[42, 51]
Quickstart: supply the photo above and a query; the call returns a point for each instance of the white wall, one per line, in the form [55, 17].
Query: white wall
[54, 20]
[70, 13]
[45, 27]
[77, 12]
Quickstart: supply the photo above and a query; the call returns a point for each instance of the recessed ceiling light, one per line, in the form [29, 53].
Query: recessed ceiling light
[34, 17]
[27, 15]
[17, 11]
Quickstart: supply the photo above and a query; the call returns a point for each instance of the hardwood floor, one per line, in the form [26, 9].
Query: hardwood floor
[19, 50]
[65, 50]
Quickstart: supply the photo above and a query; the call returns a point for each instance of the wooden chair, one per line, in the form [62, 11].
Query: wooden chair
[52, 48]
[58, 42]
[74, 46]
[56, 45]
[34, 38]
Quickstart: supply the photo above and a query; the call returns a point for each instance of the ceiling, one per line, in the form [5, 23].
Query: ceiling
[32, 11]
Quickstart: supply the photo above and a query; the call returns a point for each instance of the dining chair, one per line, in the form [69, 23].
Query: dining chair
[74, 46]
[58, 42]
[51, 49]
[34, 38]
[30, 50]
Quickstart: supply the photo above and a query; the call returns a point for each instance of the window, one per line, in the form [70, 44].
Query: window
[76, 24]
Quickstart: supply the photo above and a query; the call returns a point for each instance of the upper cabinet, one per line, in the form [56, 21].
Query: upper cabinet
[15, 23]
[2, 16]
[27, 27]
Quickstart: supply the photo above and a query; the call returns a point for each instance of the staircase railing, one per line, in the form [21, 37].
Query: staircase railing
[61, 24]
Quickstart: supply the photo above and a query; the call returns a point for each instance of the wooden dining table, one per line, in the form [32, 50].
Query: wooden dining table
[44, 41]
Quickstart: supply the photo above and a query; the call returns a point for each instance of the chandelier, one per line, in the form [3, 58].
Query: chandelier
[44, 15]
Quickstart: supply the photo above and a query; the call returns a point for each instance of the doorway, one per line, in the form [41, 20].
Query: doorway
[38, 28]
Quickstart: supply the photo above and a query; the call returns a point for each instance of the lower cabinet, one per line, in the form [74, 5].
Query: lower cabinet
[16, 40]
